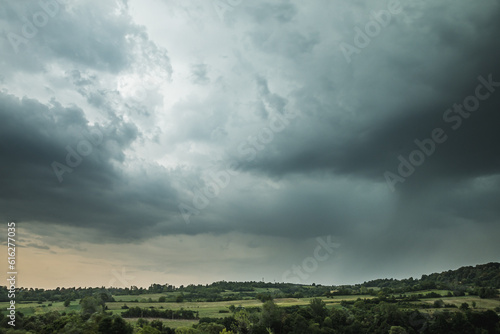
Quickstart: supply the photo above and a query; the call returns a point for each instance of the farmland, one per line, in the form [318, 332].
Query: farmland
[434, 303]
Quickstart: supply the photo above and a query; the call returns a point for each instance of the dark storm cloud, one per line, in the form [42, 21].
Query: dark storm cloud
[96, 193]
[356, 119]
[418, 70]
[268, 87]
[301, 209]
[322, 174]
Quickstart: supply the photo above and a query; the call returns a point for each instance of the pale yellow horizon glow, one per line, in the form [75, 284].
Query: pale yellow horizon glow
[167, 259]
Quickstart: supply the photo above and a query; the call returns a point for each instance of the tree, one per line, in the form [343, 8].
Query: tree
[464, 306]
[487, 293]
[263, 297]
[243, 323]
[179, 298]
[89, 305]
[67, 302]
[105, 325]
[318, 308]
[105, 297]
[438, 303]
[185, 330]
[158, 324]
[162, 299]
[224, 331]
[397, 330]
[148, 330]
[141, 322]
[460, 324]
[271, 316]
[120, 326]
[487, 320]
[210, 328]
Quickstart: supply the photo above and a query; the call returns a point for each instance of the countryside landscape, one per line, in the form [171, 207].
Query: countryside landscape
[465, 300]
[249, 167]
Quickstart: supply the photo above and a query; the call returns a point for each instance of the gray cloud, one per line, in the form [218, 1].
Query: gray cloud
[200, 72]
[397, 102]
[170, 121]
[95, 193]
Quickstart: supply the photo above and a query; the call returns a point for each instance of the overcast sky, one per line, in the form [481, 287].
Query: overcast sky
[333, 142]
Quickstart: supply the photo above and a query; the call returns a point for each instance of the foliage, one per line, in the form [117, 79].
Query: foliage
[90, 305]
[390, 310]
[464, 306]
[263, 297]
[137, 312]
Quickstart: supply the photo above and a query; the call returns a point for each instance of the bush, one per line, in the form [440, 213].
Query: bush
[438, 303]
[137, 312]
[432, 295]
[263, 297]
[487, 293]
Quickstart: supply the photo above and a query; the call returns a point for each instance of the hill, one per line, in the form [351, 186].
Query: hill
[464, 279]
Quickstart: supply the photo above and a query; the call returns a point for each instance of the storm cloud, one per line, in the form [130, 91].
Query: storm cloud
[125, 122]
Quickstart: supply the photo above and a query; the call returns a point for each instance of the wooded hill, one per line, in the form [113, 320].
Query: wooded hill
[470, 279]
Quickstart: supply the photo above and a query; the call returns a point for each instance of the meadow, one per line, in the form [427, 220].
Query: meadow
[220, 309]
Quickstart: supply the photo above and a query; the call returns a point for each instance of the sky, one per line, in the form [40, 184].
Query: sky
[187, 142]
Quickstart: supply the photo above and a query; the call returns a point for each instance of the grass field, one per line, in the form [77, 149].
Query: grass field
[481, 304]
[211, 309]
[30, 308]
[424, 292]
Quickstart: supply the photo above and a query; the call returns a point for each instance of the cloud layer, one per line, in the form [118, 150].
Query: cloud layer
[127, 121]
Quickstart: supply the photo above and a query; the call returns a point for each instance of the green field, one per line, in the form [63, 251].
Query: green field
[211, 309]
[424, 292]
[204, 309]
[29, 308]
[481, 304]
